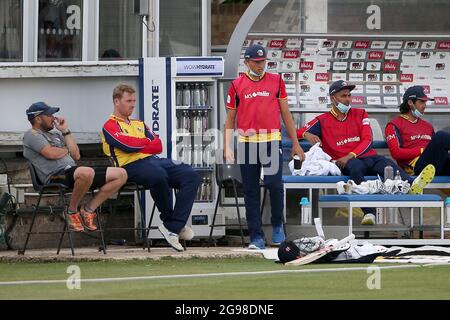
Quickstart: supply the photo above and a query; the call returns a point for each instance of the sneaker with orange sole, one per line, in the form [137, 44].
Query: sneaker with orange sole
[88, 220]
[74, 221]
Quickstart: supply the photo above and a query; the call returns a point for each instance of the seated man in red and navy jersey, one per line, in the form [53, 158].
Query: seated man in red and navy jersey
[345, 134]
[412, 140]
[133, 147]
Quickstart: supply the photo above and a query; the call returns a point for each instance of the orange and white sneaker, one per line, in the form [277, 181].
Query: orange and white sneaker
[88, 220]
[74, 221]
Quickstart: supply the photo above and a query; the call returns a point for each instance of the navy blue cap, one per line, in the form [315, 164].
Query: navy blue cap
[288, 251]
[255, 53]
[340, 85]
[39, 108]
[416, 92]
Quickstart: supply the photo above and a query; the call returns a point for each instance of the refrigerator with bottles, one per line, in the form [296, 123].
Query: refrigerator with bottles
[178, 101]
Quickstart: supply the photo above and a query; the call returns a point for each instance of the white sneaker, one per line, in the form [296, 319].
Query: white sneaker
[368, 220]
[171, 238]
[186, 233]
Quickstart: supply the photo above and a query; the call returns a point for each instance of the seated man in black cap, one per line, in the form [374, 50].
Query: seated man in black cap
[53, 155]
[346, 136]
[412, 140]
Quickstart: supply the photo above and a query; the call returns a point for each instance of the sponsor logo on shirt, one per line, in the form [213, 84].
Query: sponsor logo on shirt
[349, 140]
[421, 137]
[257, 94]
[390, 137]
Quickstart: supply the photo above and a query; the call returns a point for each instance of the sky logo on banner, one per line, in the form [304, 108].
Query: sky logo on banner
[406, 77]
[307, 65]
[445, 45]
[322, 77]
[390, 66]
[362, 44]
[376, 55]
[441, 101]
[292, 54]
[358, 100]
[277, 43]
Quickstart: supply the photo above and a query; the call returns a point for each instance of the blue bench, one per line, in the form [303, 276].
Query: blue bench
[383, 201]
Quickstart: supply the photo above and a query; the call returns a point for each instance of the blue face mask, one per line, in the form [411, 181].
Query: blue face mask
[253, 74]
[343, 108]
[417, 114]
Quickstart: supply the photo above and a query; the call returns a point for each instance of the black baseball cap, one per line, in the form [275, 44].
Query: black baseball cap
[340, 85]
[416, 92]
[256, 53]
[39, 108]
[288, 251]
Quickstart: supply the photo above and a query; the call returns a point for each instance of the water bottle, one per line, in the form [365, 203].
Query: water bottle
[186, 125]
[207, 156]
[388, 173]
[186, 95]
[196, 97]
[203, 191]
[179, 95]
[397, 175]
[198, 123]
[306, 211]
[203, 98]
[191, 88]
[205, 121]
[447, 210]
[188, 154]
[208, 190]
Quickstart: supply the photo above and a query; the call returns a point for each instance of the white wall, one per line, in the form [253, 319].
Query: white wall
[85, 101]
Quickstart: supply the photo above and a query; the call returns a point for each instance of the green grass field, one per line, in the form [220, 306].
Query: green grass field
[412, 283]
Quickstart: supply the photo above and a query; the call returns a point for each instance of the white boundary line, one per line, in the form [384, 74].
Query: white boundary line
[201, 275]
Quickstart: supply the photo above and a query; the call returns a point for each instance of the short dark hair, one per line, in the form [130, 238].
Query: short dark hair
[404, 107]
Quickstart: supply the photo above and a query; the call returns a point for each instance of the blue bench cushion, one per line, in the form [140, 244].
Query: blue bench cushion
[319, 179]
[334, 179]
[380, 197]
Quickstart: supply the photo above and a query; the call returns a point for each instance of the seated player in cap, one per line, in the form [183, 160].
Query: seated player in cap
[345, 134]
[53, 155]
[412, 140]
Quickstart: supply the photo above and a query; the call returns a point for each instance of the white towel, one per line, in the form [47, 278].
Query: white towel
[316, 163]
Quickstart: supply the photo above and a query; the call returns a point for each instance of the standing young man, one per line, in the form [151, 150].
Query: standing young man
[132, 146]
[257, 99]
[345, 134]
[53, 155]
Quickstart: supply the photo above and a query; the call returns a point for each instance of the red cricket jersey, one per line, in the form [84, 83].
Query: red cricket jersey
[406, 140]
[257, 104]
[353, 134]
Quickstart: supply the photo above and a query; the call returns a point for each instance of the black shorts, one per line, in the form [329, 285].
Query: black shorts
[66, 177]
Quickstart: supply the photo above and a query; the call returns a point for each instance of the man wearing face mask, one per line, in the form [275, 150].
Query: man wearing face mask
[412, 140]
[257, 99]
[345, 134]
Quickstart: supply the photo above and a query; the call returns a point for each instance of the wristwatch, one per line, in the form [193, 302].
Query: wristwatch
[66, 133]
